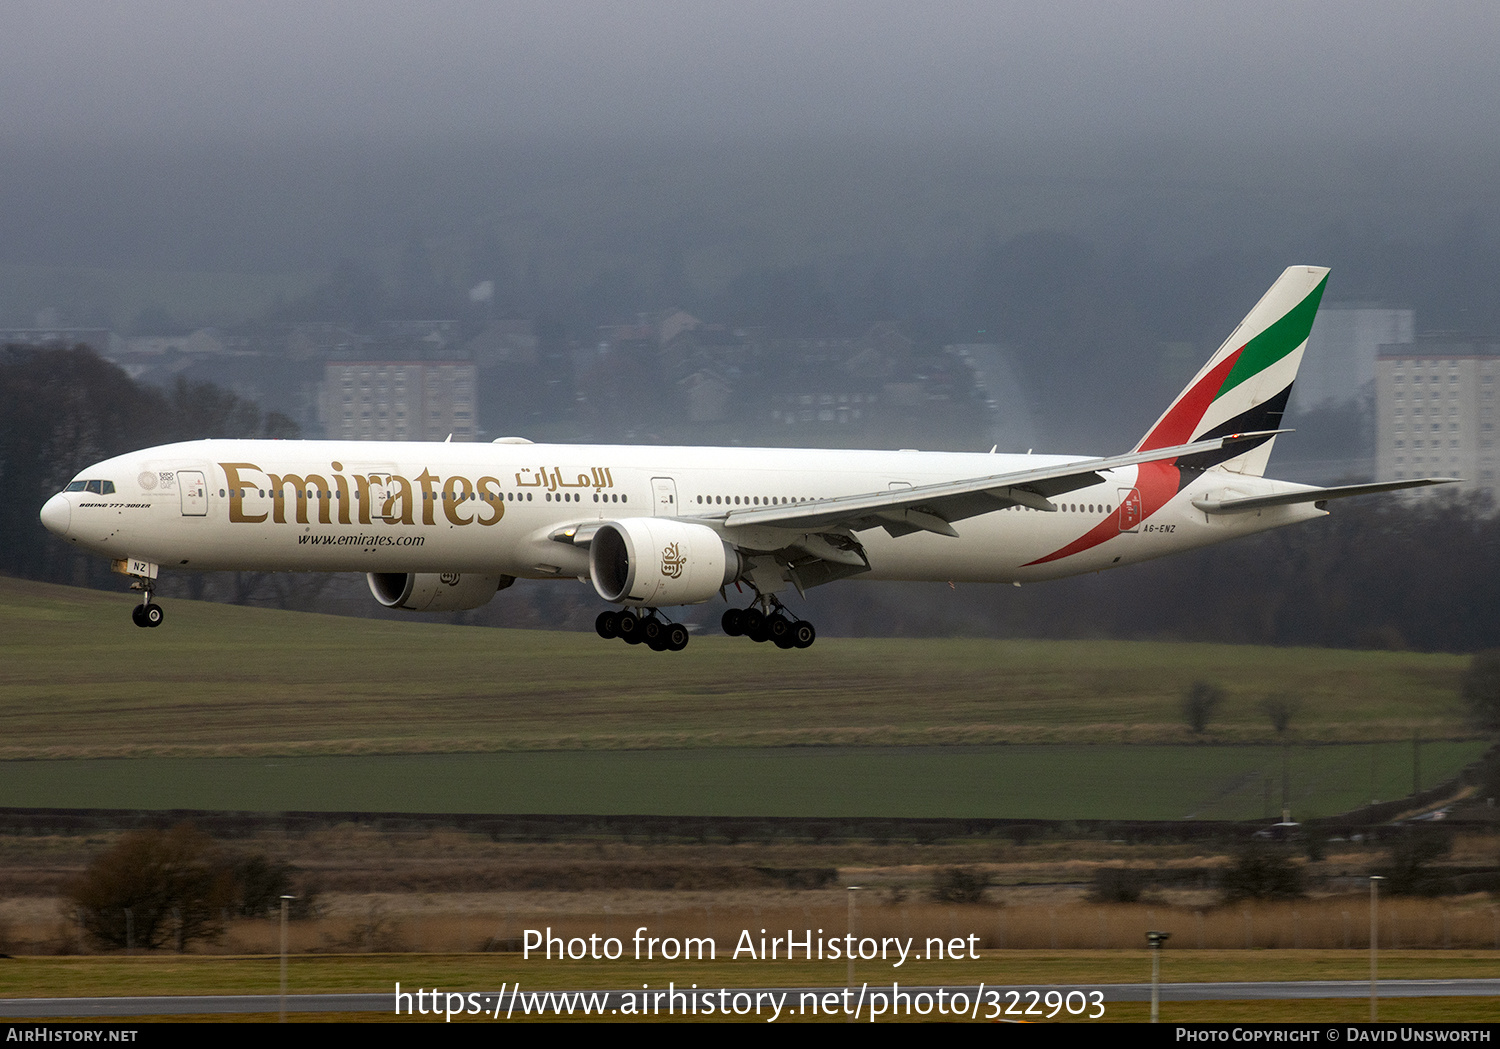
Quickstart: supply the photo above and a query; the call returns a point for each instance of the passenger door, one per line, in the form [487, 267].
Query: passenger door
[664, 497]
[194, 492]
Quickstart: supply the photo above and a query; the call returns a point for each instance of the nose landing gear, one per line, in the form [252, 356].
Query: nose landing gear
[148, 613]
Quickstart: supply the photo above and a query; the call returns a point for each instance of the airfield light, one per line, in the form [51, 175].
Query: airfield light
[852, 890]
[1375, 880]
[284, 901]
[1156, 939]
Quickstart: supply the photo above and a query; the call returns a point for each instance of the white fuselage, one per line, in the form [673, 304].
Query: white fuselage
[498, 508]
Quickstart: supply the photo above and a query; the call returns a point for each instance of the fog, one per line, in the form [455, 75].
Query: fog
[959, 69]
[1087, 183]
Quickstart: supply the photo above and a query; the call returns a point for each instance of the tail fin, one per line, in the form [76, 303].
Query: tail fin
[1244, 387]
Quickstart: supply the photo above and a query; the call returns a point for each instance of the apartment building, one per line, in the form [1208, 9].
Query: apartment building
[1435, 410]
[400, 401]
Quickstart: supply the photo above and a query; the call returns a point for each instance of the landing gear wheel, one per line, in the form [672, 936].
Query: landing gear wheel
[152, 615]
[753, 623]
[655, 634]
[605, 625]
[676, 637]
[768, 620]
[138, 616]
[628, 627]
[779, 630]
[651, 628]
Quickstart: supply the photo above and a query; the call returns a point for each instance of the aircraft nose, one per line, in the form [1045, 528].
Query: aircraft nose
[57, 514]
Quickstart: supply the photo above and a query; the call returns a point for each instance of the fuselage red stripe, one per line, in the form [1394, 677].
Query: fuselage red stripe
[1157, 483]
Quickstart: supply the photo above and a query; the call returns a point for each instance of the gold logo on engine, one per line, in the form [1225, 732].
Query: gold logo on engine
[672, 561]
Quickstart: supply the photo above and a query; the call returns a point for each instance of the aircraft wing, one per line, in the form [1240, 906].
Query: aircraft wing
[1312, 495]
[934, 507]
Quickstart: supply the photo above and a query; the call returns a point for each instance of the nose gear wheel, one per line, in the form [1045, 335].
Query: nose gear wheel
[148, 613]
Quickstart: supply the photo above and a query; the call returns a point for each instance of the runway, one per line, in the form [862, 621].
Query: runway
[259, 1004]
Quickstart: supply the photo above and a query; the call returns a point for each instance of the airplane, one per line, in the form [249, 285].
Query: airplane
[442, 526]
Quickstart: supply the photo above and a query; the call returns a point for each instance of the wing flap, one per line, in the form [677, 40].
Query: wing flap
[907, 519]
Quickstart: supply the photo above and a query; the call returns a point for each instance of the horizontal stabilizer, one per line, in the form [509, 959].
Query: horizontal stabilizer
[1312, 495]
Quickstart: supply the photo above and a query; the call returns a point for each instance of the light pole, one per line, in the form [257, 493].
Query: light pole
[850, 943]
[1156, 939]
[1375, 880]
[284, 901]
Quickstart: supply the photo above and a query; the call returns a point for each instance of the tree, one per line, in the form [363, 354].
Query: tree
[1280, 710]
[960, 885]
[62, 409]
[1262, 872]
[1409, 867]
[260, 883]
[1481, 690]
[155, 888]
[1117, 885]
[1199, 703]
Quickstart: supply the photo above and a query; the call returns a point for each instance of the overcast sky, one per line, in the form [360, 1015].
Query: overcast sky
[751, 66]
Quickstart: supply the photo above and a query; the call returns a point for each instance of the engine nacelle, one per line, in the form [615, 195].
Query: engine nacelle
[648, 562]
[431, 592]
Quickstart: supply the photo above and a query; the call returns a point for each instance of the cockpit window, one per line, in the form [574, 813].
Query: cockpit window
[97, 487]
[76, 486]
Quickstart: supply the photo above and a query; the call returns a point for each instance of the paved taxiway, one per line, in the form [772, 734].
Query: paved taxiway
[200, 1005]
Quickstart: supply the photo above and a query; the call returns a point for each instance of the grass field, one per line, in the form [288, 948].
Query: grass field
[1038, 782]
[79, 681]
[254, 710]
[247, 709]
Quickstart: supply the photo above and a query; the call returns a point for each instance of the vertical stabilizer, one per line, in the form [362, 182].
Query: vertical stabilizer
[1245, 386]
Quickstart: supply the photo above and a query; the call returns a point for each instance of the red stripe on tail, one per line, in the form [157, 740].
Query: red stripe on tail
[1176, 427]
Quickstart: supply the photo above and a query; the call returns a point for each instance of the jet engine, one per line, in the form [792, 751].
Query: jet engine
[648, 562]
[432, 592]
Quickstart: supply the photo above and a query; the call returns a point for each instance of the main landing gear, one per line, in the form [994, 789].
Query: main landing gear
[780, 625]
[148, 612]
[650, 629]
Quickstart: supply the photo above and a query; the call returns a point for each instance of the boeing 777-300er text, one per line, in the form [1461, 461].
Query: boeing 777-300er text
[439, 527]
